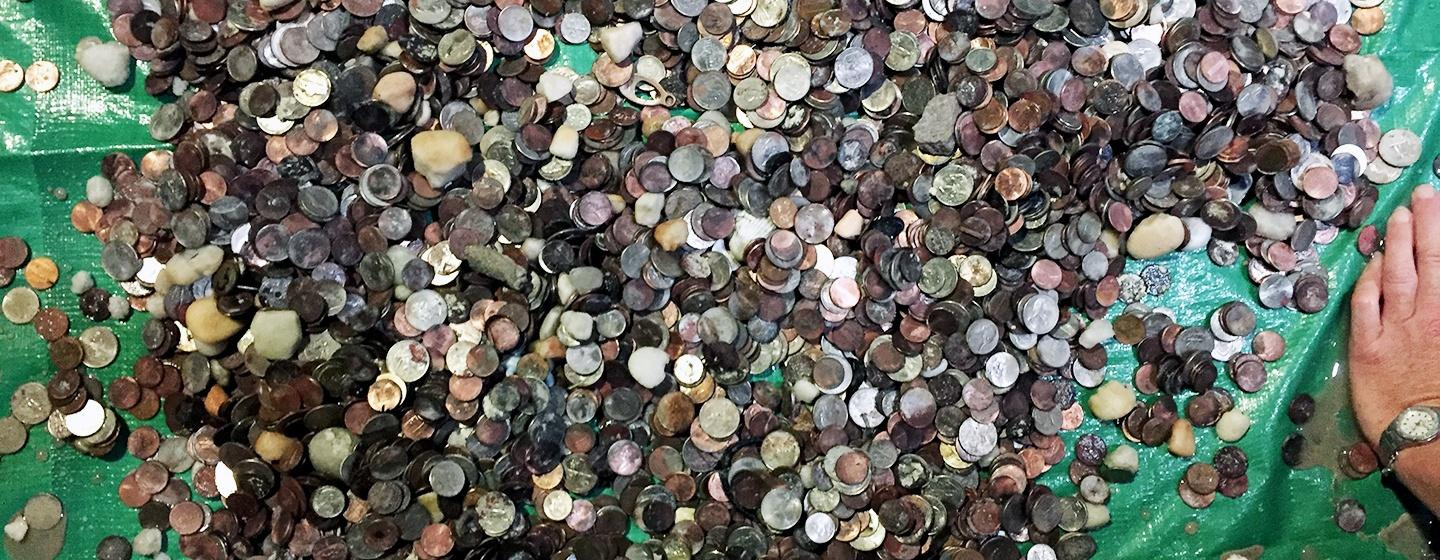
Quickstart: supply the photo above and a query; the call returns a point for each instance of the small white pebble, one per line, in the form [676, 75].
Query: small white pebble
[148, 542]
[1112, 401]
[1232, 426]
[17, 529]
[1123, 458]
[109, 63]
[81, 281]
[99, 191]
[647, 365]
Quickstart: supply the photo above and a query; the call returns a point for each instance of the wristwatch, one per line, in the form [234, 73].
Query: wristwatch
[1414, 426]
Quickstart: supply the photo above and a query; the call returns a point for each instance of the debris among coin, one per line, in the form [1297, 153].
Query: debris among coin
[108, 63]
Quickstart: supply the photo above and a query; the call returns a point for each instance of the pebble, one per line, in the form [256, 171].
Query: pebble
[80, 281]
[207, 324]
[440, 155]
[148, 541]
[554, 86]
[1155, 236]
[1098, 331]
[16, 529]
[565, 143]
[1272, 225]
[99, 191]
[672, 234]
[935, 131]
[1182, 439]
[1096, 515]
[1368, 80]
[329, 449]
[1199, 234]
[850, 226]
[1123, 458]
[619, 41]
[647, 366]
[649, 208]
[1112, 401]
[1232, 425]
[108, 63]
[396, 90]
[578, 326]
[373, 39]
[277, 333]
[186, 267]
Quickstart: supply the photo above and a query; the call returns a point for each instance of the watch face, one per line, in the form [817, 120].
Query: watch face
[1418, 424]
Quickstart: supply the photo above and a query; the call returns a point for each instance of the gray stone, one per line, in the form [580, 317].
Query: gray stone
[935, 131]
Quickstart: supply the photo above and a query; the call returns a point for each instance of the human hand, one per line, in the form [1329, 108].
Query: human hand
[1395, 319]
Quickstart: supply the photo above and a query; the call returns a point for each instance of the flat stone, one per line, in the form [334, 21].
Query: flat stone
[207, 324]
[935, 131]
[277, 333]
[1155, 236]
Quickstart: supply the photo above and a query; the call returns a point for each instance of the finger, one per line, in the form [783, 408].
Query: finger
[1397, 284]
[1365, 303]
[1426, 207]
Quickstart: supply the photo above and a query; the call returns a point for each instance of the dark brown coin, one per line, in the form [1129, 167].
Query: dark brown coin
[13, 252]
[51, 324]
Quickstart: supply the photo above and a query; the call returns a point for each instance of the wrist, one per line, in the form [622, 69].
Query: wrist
[1417, 426]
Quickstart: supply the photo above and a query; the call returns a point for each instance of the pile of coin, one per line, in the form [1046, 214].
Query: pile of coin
[69, 404]
[415, 288]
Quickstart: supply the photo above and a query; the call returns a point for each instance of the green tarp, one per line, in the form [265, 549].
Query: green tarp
[54, 141]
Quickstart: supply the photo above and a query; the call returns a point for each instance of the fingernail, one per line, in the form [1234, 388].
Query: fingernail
[1423, 192]
[1401, 214]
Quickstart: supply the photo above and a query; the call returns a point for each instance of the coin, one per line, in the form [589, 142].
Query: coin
[12, 76]
[42, 76]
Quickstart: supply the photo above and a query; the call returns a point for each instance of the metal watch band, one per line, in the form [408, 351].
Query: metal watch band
[1392, 442]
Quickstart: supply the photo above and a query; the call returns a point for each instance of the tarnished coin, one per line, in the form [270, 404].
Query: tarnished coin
[12, 76]
[42, 76]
